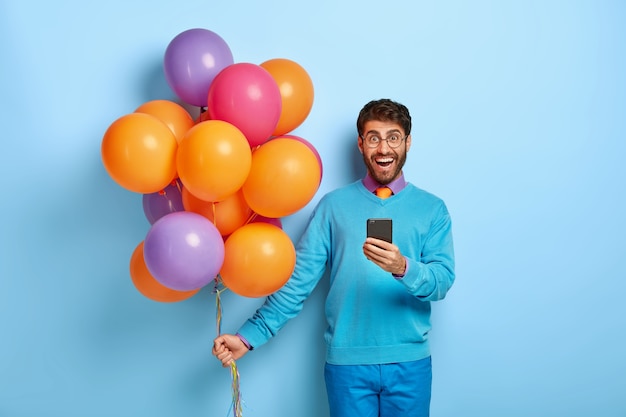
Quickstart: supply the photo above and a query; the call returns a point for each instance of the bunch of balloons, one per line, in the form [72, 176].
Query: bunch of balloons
[215, 188]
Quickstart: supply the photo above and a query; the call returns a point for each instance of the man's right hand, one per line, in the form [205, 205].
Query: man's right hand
[228, 348]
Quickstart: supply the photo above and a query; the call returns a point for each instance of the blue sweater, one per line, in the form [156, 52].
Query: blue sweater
[373, 318]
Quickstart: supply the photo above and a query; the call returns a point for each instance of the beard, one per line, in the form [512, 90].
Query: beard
[386, 176]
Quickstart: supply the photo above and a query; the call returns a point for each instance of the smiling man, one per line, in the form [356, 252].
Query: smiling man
[378, 359]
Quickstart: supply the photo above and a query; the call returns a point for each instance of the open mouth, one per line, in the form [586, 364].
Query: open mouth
[384, 161]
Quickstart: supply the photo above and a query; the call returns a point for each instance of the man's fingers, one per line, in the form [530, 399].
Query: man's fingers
[226, 358]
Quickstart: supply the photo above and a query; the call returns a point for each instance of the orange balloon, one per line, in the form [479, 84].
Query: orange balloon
[213, 160]
[139, 153]
[284, 177]
[296, 92]
[259, 258]
[172, 114]
[227, 215]
[148, 286]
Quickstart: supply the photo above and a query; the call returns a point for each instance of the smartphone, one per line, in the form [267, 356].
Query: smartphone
[380, 229]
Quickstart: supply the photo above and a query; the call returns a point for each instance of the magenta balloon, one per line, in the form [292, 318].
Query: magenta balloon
[169, 200]
[246, 96]
[183, 251]
[192, 60]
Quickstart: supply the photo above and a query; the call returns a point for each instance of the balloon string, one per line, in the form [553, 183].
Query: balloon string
[251, 218]
[234, 372]
[218, 302]
[178, 185]
[237, 403]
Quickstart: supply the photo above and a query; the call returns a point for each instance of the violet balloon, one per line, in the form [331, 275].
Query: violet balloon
[169, 200]
[192, 60]
[184, 251]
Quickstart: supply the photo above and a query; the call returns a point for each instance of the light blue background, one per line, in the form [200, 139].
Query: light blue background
[519, 111]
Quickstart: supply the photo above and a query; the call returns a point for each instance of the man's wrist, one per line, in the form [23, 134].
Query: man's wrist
[406, 267]
[245, 342]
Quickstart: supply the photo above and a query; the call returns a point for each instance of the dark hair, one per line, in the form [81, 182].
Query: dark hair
[384, 110]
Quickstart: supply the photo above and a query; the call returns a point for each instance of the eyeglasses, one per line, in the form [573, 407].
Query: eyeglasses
[373, 140]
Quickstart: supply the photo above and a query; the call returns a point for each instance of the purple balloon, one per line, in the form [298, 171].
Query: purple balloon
[183, 251]
[192, 59]
[169, 200]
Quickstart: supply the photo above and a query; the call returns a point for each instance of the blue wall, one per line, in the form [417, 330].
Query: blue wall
[520, 125]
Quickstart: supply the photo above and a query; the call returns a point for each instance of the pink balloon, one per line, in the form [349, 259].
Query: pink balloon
[246, 96]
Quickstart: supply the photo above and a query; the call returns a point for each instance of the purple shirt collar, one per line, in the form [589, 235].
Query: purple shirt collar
[396, 185]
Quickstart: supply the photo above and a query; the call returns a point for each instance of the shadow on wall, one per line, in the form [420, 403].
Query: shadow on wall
[153, 86]
[351, 149]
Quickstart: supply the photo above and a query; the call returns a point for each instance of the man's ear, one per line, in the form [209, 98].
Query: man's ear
[408, 143]
[359, 143]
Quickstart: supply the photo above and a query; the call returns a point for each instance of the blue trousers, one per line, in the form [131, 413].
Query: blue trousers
[389, 390]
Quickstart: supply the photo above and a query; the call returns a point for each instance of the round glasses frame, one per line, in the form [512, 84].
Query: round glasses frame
[373, 141]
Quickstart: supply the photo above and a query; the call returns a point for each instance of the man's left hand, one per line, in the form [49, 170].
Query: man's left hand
[385, 254]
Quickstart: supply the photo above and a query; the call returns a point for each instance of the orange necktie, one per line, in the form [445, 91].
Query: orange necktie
[383, 192]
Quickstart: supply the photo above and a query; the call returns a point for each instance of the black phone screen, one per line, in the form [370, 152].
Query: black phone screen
[380, 229]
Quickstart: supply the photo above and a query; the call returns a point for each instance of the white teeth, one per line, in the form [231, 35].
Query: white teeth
[384, 160]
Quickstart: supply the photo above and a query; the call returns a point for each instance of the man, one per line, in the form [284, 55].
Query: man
[378, 304]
